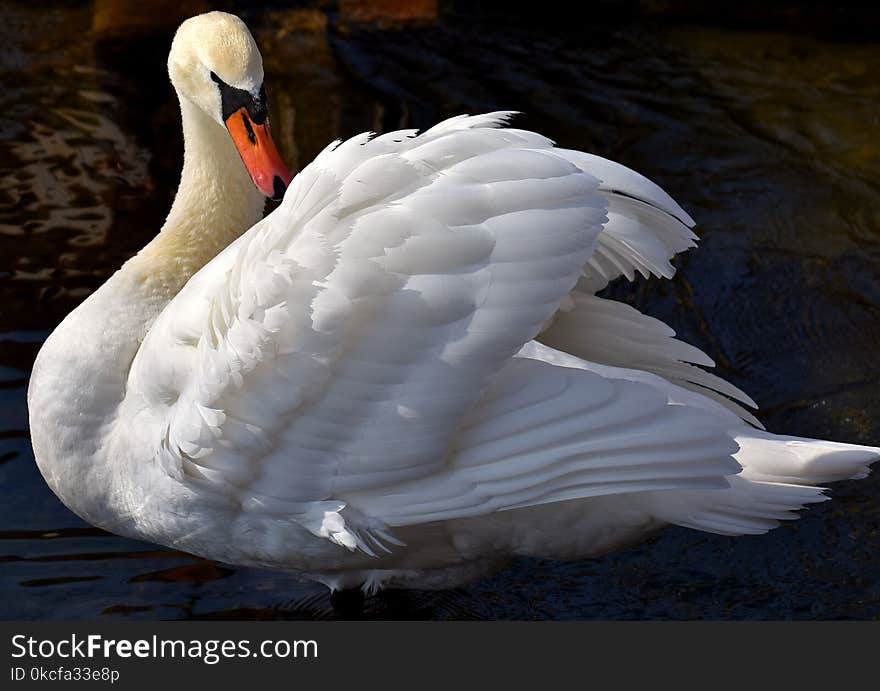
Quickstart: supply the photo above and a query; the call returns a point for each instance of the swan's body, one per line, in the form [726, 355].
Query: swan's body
[375, 384]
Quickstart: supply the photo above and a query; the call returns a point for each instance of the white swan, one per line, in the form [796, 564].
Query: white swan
[401, 376]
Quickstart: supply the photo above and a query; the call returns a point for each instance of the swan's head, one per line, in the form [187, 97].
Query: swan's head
[215, 63]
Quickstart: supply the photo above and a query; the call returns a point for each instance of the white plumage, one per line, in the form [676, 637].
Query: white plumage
[353, 389]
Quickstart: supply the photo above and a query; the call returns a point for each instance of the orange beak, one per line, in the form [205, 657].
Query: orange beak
[259, 154]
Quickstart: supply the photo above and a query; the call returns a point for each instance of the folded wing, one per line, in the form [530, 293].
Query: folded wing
[338, 346]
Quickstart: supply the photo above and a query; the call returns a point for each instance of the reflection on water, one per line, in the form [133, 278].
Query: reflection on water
[770, 141]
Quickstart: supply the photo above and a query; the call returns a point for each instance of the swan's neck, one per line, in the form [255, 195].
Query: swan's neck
[79, 378]
[215, 203]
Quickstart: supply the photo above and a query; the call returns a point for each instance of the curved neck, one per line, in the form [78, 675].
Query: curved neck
[215, 203]
[79, 377]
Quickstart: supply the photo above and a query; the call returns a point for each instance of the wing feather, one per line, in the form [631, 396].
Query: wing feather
[645, 229]
[546, 433]
[337, 347]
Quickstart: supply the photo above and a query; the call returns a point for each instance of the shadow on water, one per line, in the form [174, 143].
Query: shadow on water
[768, 138]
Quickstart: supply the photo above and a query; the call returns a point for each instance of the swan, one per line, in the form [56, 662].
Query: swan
[402, 376]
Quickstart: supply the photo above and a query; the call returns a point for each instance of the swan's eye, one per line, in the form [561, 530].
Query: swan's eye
[233, 99]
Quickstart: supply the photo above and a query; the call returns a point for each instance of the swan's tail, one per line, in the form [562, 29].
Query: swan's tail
[780, 476]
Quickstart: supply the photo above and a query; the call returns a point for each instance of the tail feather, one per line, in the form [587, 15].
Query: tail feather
[780, 476]
[801, 461]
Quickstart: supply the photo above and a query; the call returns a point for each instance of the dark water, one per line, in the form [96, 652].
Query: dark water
[770, 140]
